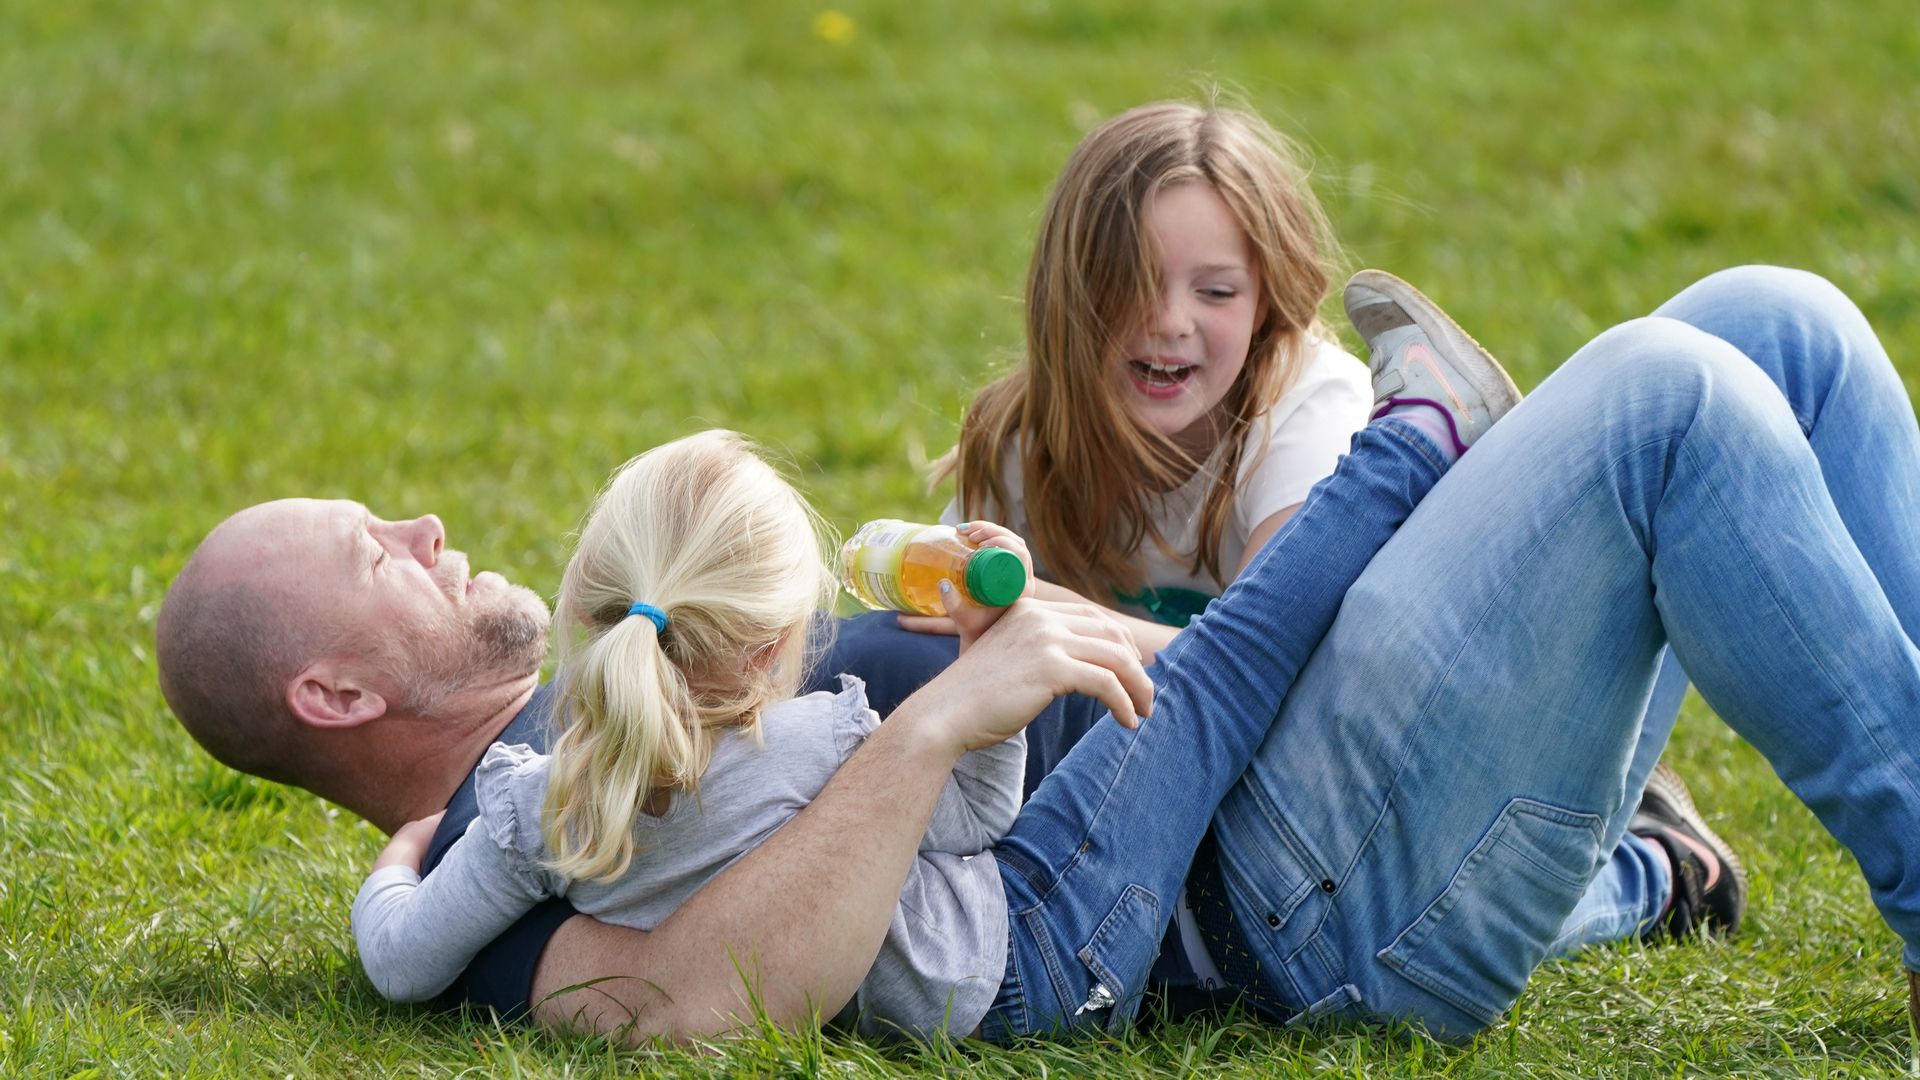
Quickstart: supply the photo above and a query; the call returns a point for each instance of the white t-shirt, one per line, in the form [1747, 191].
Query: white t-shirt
[1288, 449]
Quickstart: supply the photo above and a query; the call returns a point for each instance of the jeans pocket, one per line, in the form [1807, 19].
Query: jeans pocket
[1478, 942]
[1120, 953]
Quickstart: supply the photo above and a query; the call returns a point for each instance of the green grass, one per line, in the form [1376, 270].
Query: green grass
[465, 258]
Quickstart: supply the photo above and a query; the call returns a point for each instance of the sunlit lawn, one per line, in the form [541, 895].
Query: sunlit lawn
[465, 258]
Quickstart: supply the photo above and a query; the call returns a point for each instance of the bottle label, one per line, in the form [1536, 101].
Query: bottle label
[873, 562]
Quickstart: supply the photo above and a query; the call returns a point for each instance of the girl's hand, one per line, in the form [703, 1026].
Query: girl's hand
[979, 534]
[970, 622]
[408, 846]
[987, 534]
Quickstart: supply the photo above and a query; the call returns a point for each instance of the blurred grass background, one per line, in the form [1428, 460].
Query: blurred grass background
[466, 258]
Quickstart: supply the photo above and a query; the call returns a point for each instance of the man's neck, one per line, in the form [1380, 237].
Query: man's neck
[416, 778]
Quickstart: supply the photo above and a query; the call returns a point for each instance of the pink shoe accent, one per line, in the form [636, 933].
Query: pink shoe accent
[1453, 431]
[1418, 353]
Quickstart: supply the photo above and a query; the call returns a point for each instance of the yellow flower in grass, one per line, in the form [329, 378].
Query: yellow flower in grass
[833, 27]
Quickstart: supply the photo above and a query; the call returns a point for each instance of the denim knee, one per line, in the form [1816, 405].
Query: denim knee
[1808, 335]
[1759, 289]
[1662, 371]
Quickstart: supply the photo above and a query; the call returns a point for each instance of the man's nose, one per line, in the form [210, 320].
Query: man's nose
[425, 536]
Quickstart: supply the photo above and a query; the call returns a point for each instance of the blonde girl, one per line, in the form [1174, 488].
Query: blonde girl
[686, 610]
[1178, 396]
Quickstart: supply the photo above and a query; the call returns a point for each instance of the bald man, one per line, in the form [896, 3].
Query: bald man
[361, 659]
[315, 644]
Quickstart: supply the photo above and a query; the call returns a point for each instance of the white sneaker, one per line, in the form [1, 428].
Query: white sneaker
[1422, 357]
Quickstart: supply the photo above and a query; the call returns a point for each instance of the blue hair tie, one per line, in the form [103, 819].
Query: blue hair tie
[659, 617]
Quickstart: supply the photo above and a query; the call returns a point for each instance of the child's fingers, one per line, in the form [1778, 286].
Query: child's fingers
[929, 624]
[969, 622]
[994, 536]
[981, 531]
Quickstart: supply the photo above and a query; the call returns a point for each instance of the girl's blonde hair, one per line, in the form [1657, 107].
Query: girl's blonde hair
[707, 531]
[1088, 470]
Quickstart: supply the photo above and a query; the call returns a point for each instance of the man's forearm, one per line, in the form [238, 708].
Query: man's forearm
[800, 918]
[794, 926]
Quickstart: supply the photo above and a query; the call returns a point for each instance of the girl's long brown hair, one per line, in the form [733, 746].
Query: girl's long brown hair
[1088, 470]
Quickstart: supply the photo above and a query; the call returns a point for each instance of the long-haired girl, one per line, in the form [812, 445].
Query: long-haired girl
[1179, 395]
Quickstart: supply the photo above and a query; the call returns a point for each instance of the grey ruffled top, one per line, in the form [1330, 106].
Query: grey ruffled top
[946, 946]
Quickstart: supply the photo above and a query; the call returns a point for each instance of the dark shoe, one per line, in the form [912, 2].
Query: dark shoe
[1913, 1001]
[1667, 812]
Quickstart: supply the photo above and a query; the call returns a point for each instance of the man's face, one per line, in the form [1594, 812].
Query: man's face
[393, 593]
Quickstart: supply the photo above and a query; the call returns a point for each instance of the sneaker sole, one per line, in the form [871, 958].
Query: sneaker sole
[1670, 787]
[1494, 385]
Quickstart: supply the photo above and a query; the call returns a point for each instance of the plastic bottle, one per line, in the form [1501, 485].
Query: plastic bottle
[899, 565]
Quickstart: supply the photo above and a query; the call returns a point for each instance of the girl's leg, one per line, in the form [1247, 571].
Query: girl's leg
[1094, 862]
[1442, 780]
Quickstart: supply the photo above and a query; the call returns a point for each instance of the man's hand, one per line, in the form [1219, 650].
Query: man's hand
[409, 844]
[1037, 650]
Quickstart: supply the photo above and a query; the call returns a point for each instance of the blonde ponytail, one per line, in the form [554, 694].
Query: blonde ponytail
[708, 533]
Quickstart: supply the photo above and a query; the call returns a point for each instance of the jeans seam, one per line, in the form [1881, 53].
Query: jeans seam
[1008, 1016]
[1467, 638]
[1042, 937]
[1030, 875]
[1786, 618]
[1415, 440]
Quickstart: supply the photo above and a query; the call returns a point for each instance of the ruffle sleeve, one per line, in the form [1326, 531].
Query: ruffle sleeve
[510, 787]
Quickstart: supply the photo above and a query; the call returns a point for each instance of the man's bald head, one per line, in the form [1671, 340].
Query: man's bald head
[231, 637]
[291, 612]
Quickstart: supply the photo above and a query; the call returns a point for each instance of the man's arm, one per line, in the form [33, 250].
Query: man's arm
[801, 917]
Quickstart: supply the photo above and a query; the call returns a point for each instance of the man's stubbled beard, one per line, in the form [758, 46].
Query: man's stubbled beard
[505, 639]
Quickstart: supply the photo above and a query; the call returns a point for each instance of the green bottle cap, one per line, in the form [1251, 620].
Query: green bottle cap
[995, 577]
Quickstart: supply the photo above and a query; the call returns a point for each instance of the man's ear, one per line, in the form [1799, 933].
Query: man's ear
[324, 695]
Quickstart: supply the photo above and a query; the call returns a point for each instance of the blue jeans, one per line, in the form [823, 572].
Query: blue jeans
[1094, 862]
[1737, 478]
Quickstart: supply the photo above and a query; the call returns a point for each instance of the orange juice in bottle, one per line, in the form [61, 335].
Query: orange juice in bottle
[897, 564]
